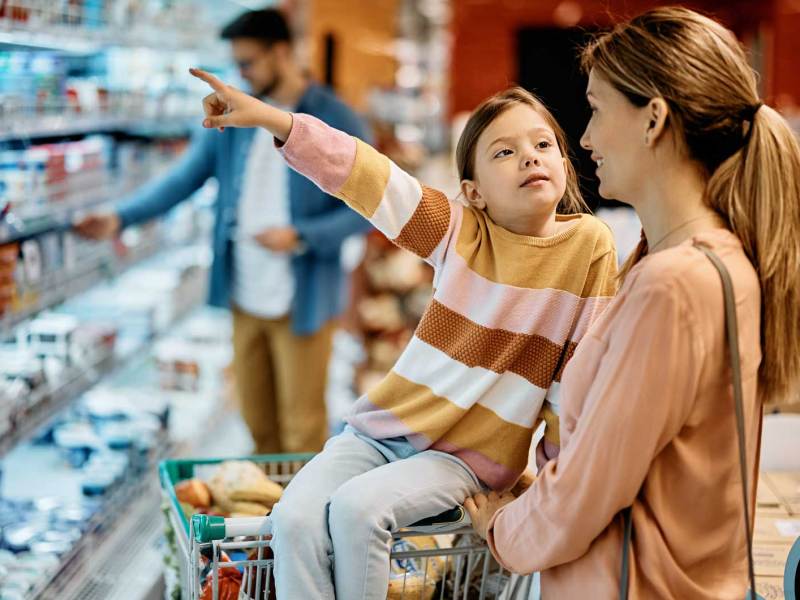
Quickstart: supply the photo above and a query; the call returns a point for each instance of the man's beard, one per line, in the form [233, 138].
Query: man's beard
[270, 88]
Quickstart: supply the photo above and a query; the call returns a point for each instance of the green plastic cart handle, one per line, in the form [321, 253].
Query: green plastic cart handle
[208, 528]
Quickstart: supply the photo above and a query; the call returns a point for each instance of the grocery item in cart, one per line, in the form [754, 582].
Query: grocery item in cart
[415, 578]
[193, 492]
[241, 488]
[230, 582]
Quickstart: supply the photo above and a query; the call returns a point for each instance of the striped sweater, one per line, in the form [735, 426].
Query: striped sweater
[506, 313]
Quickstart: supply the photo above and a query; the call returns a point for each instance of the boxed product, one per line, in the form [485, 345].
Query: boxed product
[786, 486]
[770, 588]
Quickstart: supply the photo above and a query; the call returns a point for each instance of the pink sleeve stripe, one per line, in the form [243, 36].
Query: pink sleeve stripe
[323, 154]
[554, 314]
[496, 476]
[377, 423]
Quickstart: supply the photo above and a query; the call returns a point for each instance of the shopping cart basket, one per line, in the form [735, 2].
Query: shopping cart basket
[457, 565]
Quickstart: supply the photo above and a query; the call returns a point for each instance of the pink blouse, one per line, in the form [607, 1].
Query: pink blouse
[647, 418]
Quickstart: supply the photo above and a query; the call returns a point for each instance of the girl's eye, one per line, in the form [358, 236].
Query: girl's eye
[503, 152]
[544, 144]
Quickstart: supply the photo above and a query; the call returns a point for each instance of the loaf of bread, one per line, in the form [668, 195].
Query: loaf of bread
[194, 492]
[248, 509]
[242, 487]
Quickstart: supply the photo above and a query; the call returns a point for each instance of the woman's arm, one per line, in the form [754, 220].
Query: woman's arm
[640, 396]
[415, 217]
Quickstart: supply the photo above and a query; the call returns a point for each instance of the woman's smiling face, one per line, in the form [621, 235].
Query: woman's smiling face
[615, 136]
[520, 173]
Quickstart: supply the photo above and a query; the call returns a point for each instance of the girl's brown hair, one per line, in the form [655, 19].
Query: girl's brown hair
[749, 152]
[493, 107]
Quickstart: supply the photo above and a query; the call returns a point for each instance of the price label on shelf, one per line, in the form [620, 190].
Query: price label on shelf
[32, 261]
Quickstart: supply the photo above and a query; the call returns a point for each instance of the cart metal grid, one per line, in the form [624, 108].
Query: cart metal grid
[461, 568]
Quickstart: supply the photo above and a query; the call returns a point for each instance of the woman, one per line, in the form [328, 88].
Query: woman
[647, 415]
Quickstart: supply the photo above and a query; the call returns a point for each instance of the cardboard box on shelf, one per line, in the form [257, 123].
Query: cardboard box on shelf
[786, 486]
[769, 560]
[770, 529]
[770, 588]
[767, 501]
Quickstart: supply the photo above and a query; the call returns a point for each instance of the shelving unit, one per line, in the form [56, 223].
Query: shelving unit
[51, 126]
[117, 556]
[67, 28]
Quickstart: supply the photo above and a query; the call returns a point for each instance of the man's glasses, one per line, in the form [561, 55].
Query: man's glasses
[244, 65]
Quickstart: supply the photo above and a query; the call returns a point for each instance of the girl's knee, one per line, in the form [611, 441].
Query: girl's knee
[294, 515]
[351, 510]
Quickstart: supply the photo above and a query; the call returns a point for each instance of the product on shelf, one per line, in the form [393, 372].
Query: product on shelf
[177, 366]
[8, 261]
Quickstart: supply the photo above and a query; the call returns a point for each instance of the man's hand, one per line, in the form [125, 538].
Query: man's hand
[227, 106]
[481, 509]
[98, 226]
[278, 239]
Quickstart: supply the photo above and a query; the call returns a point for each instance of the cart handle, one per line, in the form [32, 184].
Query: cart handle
[208, 528]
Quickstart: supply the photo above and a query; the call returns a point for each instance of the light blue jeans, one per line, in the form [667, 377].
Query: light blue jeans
[346, 503]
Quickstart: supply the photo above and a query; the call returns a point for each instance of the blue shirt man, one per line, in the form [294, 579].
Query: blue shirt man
[277, 267]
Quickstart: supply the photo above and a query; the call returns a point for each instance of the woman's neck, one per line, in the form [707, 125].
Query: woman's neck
[673, 208]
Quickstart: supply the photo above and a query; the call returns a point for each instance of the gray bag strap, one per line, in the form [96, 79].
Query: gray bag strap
[732, 334]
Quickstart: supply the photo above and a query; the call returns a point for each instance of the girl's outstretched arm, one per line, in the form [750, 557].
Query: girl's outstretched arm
[227, 106]
[413, 216]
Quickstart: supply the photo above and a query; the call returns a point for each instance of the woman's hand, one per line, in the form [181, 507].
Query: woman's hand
[227, 106]
[481, 509]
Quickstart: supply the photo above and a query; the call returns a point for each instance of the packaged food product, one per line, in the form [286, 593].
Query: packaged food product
[193, 492]
[249, 509]
[229, 581]
[415, 578]
[237, 485]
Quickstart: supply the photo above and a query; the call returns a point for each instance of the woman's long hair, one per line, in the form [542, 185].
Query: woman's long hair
[749, 152]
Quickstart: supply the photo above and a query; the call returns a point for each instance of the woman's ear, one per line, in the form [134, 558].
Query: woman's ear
[472, 194]
[657, 112]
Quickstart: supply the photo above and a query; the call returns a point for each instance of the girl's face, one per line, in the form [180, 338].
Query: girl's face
[615, 135]
[520, 174]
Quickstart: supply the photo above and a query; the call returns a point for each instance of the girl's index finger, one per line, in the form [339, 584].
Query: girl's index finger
[210, 79]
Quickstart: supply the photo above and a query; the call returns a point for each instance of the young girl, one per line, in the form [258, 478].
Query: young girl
[516, 286]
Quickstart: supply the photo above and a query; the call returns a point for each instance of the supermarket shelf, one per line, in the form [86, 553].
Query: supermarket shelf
[63, 125]
[64, 285]
[49, 400]
[119, 555]
[57, 215]
[131, 569]
[118, 552]
[77, 39]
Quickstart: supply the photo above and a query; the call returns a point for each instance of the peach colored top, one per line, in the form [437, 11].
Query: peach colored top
[647, 418]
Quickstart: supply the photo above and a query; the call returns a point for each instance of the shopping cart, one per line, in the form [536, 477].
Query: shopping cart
[457, 566]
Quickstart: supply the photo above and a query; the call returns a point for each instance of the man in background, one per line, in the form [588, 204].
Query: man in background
[276, 242]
